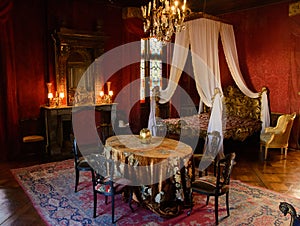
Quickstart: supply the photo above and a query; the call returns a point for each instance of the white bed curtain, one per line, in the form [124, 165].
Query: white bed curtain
[202, 35]
[229, 47]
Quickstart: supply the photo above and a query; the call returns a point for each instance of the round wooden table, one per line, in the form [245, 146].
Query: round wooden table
[161, 171]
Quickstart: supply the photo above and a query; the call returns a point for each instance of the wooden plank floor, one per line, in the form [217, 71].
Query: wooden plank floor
[277, 173]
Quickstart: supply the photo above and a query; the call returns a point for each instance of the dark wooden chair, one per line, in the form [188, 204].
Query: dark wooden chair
[287, 208]
[80, 163]
[215, 185]
[210, 153]
[106, 184]
[33, 140]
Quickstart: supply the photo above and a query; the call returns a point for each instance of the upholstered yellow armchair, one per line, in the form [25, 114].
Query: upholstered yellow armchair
[278, 136]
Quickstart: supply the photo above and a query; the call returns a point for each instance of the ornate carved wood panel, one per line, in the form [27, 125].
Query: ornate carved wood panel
[74, 52]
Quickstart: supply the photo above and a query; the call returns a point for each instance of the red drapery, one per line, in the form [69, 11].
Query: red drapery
[8, 85]
[133, 31]
[294, 91]
[294, 82]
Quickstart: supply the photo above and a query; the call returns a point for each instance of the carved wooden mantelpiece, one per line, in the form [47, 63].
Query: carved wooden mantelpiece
[74, 52]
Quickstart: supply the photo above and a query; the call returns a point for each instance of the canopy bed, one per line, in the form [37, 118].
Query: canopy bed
[242, 118]
[200, 37]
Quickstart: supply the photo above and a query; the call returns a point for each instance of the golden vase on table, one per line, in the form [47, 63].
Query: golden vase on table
[145, 136]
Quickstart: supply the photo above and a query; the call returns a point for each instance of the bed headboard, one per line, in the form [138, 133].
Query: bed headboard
[238, 104]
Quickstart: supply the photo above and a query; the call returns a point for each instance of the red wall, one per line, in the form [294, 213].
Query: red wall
[264, 43]
[29, 25]
[30, 59]
[34, 22]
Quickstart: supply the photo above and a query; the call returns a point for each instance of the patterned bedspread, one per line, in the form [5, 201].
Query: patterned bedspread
[237, 128]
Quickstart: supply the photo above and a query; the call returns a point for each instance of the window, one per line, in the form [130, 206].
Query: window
[151, 66]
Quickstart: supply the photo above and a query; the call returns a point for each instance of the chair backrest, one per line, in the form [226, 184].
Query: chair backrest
[31, 126]
[213, 142]
[75, 150]
[102, 165]
[226, 164]
[211, 149]
[160, 128]
[86, 149]
[283, 128]
[290, 125]
[283, 123]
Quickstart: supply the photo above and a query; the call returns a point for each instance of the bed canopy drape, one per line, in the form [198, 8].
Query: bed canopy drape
[200, 37]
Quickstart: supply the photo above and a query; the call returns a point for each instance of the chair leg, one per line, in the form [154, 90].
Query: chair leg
[266, 152]
[215, 167]
[95, 203]
[76, 179]
[260, 147]
[112, 209]
[207, 200]
[130, 200]
[285, 152]
[227, 204]
[191, 200]
[216, 209]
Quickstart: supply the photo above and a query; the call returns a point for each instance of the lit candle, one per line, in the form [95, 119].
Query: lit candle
[50, 95]
[167, 5]
[173, 9]
[110, 93]
[101, 93]
[149, 8]
[184, 4]
[61, 95]
[144, 8]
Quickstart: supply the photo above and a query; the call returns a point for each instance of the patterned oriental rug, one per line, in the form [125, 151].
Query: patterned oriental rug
[51, 189]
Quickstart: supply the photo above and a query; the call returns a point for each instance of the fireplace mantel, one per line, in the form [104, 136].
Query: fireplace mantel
[58, 123]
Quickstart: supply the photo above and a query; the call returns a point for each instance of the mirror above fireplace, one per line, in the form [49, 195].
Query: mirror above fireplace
[74, 51]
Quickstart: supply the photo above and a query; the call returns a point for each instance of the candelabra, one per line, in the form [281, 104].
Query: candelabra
[54, 100]
[105, 98]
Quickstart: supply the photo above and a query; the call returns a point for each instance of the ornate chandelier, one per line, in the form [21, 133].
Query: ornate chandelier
[163, 18]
